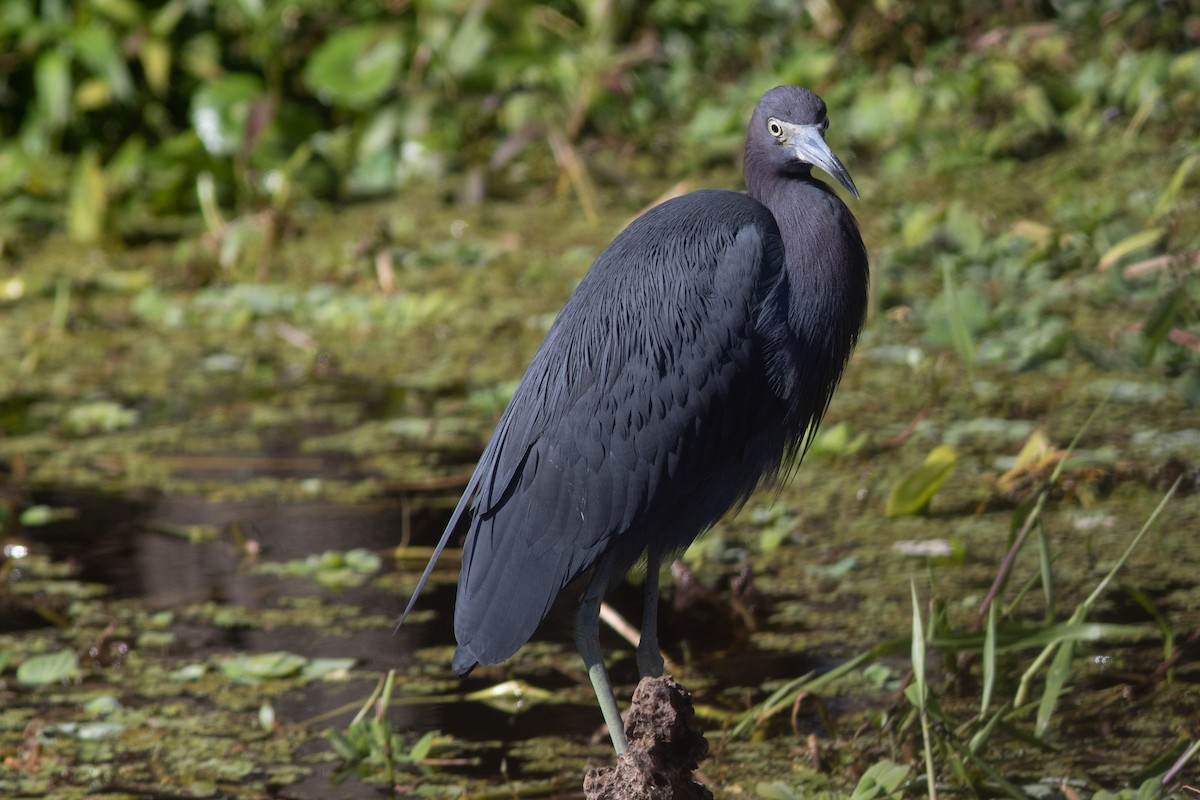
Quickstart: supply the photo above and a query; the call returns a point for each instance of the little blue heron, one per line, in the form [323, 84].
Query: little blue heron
[697, 356]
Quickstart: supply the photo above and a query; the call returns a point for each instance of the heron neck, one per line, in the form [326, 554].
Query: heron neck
[824, 254]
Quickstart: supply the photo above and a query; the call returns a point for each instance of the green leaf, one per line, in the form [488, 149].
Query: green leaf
[911, 495]
[356, 65]
[1170, 195]
[220, 112]
[989, 661]
[777, 790]
[920, 225]
[125, 12]
[882, 779]
[965, 313]
[87, 204]
[1159, 325]
[321, 667]
[836, 440]
[1129, 244]
[264, 666]
[837, 569]
[156, 58]
[345, 748]
[48, 668]
[189, 672]
[100, 51]
[1056, 679]
[52, 87]
[35, 516]
[422, 747]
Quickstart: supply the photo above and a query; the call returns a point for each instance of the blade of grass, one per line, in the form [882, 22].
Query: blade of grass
[1009, 639]
[1082, 610]
[1035, 514]
[1181, 762]
[918, 663]
[1056, 680]
[983, 734]
[1006, 786]
[1045, 562]
[785, 696]
[1100, 589]
[989, 661]
[1150, 607]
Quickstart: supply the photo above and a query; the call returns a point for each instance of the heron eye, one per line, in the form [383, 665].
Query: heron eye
[824, 125]
[774, 127]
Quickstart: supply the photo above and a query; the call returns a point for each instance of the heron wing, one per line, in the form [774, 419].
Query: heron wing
[639, 381]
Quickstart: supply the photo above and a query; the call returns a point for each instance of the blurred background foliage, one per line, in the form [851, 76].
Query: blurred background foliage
[117, 110]
[1001, 148]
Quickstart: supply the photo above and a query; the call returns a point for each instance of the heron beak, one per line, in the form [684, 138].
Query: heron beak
[808, 145]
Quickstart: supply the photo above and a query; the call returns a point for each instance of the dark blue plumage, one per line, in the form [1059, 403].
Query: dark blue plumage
[696, 356]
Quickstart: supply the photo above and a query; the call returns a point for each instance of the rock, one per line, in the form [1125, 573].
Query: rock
[665, 747]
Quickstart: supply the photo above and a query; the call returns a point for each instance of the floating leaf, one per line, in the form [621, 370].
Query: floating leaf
[266, 716]
[837, 569]
[189, 672]
[103, 704]
[48, 668]
[264, 666]
[325, 667]
[511, 696]
[88, 731]
[102, 416]
[914, 491]
[37, 515]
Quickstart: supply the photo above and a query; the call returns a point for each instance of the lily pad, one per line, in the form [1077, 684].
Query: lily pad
[48, 668]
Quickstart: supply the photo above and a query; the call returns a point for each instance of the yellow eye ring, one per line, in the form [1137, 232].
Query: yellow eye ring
[774, 127]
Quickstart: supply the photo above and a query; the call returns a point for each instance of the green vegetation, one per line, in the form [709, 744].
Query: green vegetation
[292, 256]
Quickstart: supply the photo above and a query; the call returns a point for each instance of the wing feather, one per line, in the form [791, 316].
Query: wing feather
[645, 414]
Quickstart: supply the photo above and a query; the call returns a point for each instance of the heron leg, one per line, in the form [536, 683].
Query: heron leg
[649, 657]
[587, 640]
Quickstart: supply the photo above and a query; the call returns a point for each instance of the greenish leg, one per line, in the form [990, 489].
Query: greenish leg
[587, 640]
[649, 658]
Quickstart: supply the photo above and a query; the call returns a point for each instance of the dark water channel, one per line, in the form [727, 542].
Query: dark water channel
[221, 605]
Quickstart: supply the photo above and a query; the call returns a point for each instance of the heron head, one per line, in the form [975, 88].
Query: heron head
[787, 137]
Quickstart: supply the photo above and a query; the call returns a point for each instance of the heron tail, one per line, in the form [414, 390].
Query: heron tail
[441, 545]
